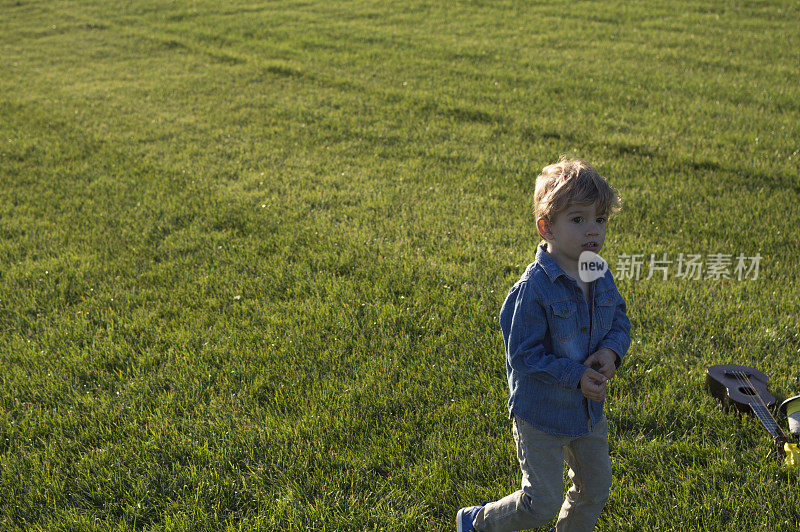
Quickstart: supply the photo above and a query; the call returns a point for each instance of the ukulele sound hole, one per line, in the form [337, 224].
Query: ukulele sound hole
[747, 391]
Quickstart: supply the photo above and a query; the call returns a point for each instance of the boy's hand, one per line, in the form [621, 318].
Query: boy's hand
[593, 385]
[603, 360]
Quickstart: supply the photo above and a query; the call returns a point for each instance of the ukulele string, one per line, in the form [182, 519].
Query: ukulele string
[745, 382]
[755, 392]
[744, 379]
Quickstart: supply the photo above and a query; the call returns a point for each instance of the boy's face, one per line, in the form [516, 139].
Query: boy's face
[576, 229]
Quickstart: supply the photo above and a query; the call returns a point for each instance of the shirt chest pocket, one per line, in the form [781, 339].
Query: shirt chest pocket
[606, 305]
[563, 323]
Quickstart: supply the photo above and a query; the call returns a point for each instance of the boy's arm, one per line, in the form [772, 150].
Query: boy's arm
[524, 324]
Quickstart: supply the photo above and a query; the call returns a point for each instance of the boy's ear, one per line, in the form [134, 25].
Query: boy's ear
[544, 228]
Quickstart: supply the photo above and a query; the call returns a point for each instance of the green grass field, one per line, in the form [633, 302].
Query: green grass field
[253, 254]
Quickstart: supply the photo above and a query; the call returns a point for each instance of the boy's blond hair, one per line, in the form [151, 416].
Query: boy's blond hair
[572, 182]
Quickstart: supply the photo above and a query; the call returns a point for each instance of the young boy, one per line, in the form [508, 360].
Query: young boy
[565, 335]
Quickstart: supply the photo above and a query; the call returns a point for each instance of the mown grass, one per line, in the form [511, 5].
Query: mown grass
[253, 254]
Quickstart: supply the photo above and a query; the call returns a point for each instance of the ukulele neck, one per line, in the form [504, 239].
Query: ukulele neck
[763, 414]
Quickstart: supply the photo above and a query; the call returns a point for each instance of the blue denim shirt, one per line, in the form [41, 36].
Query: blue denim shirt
[549, 330]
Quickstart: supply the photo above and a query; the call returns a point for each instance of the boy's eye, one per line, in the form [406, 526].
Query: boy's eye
[578, 219]
[601, 220]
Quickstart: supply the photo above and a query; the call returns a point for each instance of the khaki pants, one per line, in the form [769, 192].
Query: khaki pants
[541, 458]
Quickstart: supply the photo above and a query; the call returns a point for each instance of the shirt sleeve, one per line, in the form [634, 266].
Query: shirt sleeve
[618, 338]
[524, 324]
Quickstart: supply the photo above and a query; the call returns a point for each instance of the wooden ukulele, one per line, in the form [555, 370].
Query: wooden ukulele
[746, 389]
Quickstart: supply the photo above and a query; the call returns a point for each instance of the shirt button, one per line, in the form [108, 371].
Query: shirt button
[584, 329]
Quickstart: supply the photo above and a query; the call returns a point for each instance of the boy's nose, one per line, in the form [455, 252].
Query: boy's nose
[593, 229]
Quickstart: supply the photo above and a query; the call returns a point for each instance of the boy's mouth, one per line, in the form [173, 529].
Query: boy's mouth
[590, 246]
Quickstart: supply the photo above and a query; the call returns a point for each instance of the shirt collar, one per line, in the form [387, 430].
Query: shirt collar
[554, 271]
[548, 263]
